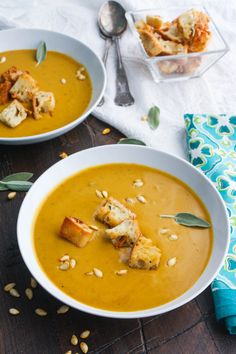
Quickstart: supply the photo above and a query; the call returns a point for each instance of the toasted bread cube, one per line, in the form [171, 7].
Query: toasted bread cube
[150, 43]
[154, 21]
[76, 231]
[24, 87]
[172, 48]
[112, 212]
[144, 255]
[4, 91]
[168, 67]
[125, 234]
[43, 102]
[12, 74]
[13, 114]
[171, 33]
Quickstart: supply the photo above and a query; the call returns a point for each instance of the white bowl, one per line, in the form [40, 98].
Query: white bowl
[126, 154]
[20, 38]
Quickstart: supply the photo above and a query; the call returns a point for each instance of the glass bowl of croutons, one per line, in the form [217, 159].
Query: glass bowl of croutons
[176, 43]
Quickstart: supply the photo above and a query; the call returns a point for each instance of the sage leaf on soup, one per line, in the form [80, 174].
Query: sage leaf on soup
[20, 176]
[41, 52]
[154, 117]
[189, 220]
[131, 141]
[21, 186]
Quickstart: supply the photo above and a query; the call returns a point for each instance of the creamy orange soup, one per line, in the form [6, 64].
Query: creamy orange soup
[138, 289]
[71, 98]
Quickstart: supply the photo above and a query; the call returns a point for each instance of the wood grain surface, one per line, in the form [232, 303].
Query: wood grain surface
[189, 329]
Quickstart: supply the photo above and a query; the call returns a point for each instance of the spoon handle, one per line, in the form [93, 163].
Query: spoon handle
[108, 43]
[123, 95]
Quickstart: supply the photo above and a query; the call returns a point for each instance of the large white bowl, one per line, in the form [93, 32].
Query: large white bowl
[126, 154]
[20, 38]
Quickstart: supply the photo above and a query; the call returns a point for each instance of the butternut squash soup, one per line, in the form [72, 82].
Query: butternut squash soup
[36, 98]
[102, 238]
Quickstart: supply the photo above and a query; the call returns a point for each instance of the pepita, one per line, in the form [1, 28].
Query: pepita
[72, 263]
[74, 340]
[89, 273]
[105, 194]
[121, 272]
[9, 286]
[64, 258]
[98, 272]
[173, 237]
[63, 309]
[3, 60]
[41, 312]
[130, 200]
[141, 199]
[11, 195]
[14, 292]
[29, 293]
[64, 266]
[14, 311]
[33, 283]
[138, 183]
[171, 262]
[84, 347]
[99, 194]
[106, 131]
[85, 334]
[63, 81]
[94, 227]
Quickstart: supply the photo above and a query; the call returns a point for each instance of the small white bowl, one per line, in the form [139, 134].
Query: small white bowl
[175, 166]
[15, 39]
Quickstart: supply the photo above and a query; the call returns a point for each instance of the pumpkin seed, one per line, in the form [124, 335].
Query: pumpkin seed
[33, 283]
[11, 195]
[14, 311]
[3, 60]
[141, 199]
[138, 183]
[106, 131]
[29, 293]
[63, 81]
[130, 200]
[85, 334]
[121, 272]
[41, 312]
[94, 227]
[69, 352]
[84, 347]
[72, 263]
[99, 194]
[74, 340]
[89, 273]
[63, 309]
[164, 231]
[98, 272]
[64, 266]
[171, 262]
[105, 194]
[173, 237]
[14, 292]
[63, 155]
[64, 258]
[9, 286]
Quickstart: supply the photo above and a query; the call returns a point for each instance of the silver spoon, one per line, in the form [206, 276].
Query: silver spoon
[108, 43]
[112, 23]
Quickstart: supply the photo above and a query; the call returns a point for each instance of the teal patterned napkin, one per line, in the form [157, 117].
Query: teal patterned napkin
[212, 148]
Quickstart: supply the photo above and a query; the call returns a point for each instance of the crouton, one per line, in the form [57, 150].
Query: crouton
[168, 67]
[12, 74]
[4, 91]
[144, 255]
[200, 41]
[171, 33]
[43, 102]
[24, 87]
[154, 21]
[150, 43]
[112, 212]
[13, 114]
[172, 48]
[76, 231]
[125, 234]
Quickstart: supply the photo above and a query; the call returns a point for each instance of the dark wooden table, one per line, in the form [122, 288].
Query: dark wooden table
[189, 329]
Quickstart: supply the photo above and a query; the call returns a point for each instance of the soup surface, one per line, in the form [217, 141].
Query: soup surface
[138, 289]
[72, 98]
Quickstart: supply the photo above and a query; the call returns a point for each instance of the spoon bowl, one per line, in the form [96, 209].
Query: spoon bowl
[111, 19]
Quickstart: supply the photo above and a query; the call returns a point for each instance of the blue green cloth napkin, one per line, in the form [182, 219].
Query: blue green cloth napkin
[212, 148]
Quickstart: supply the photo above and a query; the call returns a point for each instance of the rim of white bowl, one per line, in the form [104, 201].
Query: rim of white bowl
[63, 297]
[65, 128]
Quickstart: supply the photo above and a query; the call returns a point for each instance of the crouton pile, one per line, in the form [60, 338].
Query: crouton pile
[20, 90]
[123, 231]
[188, 33]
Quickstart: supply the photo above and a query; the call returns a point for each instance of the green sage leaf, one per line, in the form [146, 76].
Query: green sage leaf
[41, 52]
[131, 141]
[20, 176]
[23, 186]
[3, 188]
[189, 220]
[154, 117]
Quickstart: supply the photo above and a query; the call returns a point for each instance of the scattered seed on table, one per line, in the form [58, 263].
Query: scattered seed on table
[74, 340]
[85, 334]
[33, 283]
[84, 347]
[13, 292]
[106, 131]
[63, 155]
[11, 195]
[14, 311]
[29, 293]
[63, 309]
[9, 286]
[41, 312]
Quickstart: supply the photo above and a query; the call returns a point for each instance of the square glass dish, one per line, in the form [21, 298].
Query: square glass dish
[182, 66]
